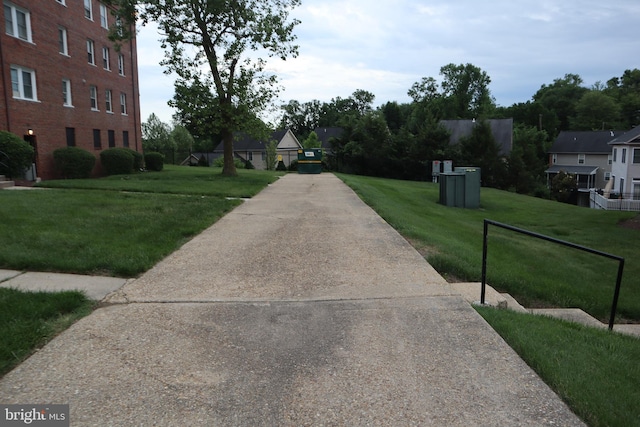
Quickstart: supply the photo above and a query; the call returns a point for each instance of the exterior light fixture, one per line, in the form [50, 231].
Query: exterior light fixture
[30, 132]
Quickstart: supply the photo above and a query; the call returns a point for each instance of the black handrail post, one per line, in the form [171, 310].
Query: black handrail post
[484, 263]
[616, 294]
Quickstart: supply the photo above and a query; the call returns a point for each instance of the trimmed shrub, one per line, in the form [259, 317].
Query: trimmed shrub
[74, 162]
[18, 155]
[293, 167]
[219, 162]
[138, 159]
[281, 166]
[154, 161]
[117, 161]
[249, 165]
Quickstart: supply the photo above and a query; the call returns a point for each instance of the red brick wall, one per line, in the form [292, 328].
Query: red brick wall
[48, 117]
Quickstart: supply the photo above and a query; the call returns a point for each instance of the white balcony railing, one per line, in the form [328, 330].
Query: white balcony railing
[598, 201]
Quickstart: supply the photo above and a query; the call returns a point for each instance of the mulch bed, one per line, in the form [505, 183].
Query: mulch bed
[633, 223]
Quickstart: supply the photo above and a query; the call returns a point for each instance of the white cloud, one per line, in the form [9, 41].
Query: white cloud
[383, 47]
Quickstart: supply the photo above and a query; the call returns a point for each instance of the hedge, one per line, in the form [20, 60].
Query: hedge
[16, 155]
[73, 162]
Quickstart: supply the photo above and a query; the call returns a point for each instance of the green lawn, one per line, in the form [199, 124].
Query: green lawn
[29, 319]
[535, 272]
[120, 225]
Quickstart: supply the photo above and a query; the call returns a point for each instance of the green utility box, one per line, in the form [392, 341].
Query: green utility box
[461, 188]
[310, 160]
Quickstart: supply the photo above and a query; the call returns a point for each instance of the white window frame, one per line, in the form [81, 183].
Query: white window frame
[624, 156]
[14, 30]
[615, 154]
[88, 9]
[581, 159]
[107, 101]
[18, 83]
[609, 159]
[123, 104]
[91, 52]
[121, 64]
[67, 100]
[104, 23]
[105, 58]
[635, 156]
[93, 97]
[63, 41]
[607, 176]
[62, 2]
[554, 159]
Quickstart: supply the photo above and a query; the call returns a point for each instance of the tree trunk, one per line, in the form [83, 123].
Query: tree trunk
[229, 167]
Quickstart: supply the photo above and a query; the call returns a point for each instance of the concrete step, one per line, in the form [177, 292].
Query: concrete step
[6, 184]
[471, 293]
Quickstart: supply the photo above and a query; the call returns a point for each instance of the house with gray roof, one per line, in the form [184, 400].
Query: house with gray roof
[249, 149]
[625, 166]
[586, 154]
[501, 129]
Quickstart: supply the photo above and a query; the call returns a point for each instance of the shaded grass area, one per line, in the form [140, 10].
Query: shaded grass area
[99, 232]
[596, 372]
[536, 273]
[177, 180]
[29, 319]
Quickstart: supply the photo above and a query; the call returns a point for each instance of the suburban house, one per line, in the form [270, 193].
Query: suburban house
[586, 154]
[325, 135]
[64, 82]
[249, 149]
[625, 166]
[502, 130]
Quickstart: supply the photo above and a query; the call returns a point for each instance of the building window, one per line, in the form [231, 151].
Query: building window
[111, 136]
[107, 100]
[621, 186]
[23, 83]
[97, 143]
[17, 22]
[636, 156]
[554, 159]
[636, 190]
[123, 103]
[615, 154]
[607, 176]
[71, 137]
[88, 9]
[103, 16]
[91, 52]
[66, 93]
[624, 156]
[609, 158]
[63, 47]
[121, 64]
[93, 95]
[125, 138]
[581, 158]
[105, 58]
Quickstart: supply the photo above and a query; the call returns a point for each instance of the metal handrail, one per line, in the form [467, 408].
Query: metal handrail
[616, 293]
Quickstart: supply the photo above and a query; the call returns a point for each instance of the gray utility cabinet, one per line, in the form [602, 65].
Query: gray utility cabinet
[461, 188]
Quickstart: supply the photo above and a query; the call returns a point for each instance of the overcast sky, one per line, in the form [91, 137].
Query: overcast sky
[384, 46]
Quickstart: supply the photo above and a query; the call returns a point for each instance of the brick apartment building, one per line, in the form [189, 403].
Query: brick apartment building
[64, 82]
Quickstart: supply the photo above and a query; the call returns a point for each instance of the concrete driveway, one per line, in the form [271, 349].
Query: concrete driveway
[300, 307]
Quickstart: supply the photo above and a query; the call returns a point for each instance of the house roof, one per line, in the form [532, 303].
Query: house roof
[631, 137]
[577, 170]
[502, 130]
[591, 142]
[325, 135]
[245, 142]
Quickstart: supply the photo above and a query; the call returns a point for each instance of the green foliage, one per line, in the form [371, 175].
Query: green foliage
[312, 141]
[138, 159]
[73, 162]
[293, 166]
[563, 185]
[219, 162]
[272, 153]
[202, 161]
[15, 155]
[480, 149]
[117, 161]
[154, 161]
[281, 166]
[156, 135]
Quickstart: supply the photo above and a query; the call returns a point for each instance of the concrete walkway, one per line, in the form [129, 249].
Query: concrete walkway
[300, 307]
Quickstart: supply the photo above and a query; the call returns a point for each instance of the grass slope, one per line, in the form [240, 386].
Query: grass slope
[535, 272]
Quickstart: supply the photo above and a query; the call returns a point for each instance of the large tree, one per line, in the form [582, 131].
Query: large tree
[219, 42]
